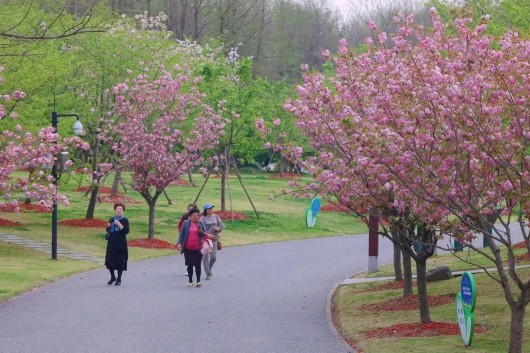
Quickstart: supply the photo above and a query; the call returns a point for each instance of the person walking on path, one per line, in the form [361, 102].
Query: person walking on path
[117, 253]
[185, 216]
[214, 226]
[189, 243]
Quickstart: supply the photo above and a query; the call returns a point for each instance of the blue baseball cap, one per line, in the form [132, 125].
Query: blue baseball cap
[207, 206]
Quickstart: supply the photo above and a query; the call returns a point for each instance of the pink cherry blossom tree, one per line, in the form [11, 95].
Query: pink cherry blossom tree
[165, 126]
[436, 126]
[20, 149]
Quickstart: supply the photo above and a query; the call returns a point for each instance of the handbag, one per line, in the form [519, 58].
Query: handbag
[219, 245]
[107, 235]
[206, 247]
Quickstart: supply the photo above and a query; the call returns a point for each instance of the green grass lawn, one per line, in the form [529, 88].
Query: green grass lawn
[23, 269]
[280, 220]
[491, 312]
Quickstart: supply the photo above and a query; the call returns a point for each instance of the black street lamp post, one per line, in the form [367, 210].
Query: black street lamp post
[78, 130]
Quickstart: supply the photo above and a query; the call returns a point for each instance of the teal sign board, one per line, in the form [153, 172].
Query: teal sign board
[465, 307]
[311, 212]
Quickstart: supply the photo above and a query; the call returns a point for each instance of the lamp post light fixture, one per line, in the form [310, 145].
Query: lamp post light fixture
[78, 130]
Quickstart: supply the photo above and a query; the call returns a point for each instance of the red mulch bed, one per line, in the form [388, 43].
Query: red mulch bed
[122, 199]
[8, 223]
[102, 189]
[151, 244]
[23, 207]
[227, 215]
[89, 223]
[408, 303]
[430, 329]
[180, 182]
[284, 176]
[521, 245]
[334, 208]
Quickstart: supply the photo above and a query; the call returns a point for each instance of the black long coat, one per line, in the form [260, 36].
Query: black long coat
[117, 252]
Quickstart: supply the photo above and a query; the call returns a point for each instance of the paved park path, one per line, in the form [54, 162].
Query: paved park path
[267, 298]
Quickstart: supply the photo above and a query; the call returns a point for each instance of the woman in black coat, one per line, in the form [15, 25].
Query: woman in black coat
[117, 254]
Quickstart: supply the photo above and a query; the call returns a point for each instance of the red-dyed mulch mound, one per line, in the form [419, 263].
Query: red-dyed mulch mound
[227, 215]
[93, 223]
[122, 199]
[334, 208]
[284, 176]
[151, 244]
[180, 182]
[521, 245]
[8, 223]
[408, 303]
[430, 329]
[102, 189]
[8, 208]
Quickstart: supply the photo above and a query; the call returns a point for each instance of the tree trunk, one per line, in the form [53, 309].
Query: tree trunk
[517, 328]
[190, 177]
[421, 270]
[407, 274]
[398, 273]
[92, 203]
[223, 187]
[151, 229]
[116, 183]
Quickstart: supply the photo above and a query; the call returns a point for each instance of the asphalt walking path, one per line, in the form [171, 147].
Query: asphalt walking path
[266, 298]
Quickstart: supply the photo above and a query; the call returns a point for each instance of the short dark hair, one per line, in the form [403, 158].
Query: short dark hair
[192, 205]
[192, 211]
[119, 204]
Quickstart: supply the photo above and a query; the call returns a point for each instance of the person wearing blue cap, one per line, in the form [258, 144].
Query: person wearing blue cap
[214, 226]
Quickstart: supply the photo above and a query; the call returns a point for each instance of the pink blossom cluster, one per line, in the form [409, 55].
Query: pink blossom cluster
[435, 124]
[164, 127]
[32, 152]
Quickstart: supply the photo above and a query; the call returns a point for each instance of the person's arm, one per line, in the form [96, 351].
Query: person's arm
[220, 225]
[180, 239]
[207, 235]
[125, 223]
[180, 222]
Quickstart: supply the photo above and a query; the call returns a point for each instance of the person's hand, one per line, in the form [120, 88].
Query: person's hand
[217, 229]
[118, 224]
[178, 247]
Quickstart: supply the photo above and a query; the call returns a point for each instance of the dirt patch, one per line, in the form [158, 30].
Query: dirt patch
[227, 215]
[8, 223]
[89, 223]
[388, 286]
[420, 330]
[284, 176]
[121, 199]
[410, 302]
[522, 258]
[151, 244]
[8, 208]
[102, 189]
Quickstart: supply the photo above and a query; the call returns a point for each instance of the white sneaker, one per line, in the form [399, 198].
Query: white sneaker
[190, 285]
[198, 284]
[208, 277]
